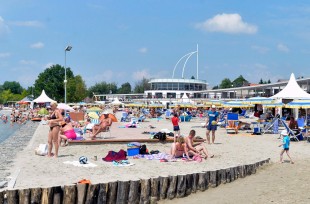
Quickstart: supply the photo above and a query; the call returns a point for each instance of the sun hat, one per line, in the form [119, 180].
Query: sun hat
[213, 106]
[105, 112]
[284, 132]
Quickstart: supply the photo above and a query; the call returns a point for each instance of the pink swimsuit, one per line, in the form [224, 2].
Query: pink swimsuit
[70, 134]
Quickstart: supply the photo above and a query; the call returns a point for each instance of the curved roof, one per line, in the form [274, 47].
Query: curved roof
[178, 81]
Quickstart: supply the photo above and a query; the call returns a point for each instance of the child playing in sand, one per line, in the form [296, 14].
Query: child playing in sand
[286, 146]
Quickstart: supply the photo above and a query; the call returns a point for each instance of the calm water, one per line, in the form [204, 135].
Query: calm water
[6, 130]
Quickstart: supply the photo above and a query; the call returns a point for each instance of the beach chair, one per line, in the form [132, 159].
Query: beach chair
[232, 119]
[301, 126]
[104, 133]
[125, 117]
[272, 126]
[291, 132]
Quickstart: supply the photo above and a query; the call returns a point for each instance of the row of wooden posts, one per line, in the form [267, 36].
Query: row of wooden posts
[134, 191]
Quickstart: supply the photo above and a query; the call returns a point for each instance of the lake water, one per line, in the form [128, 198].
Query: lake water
[6, 130]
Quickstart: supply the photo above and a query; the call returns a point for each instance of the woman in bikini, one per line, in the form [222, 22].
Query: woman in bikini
[54, 123]
[179, 149]
[66, 132]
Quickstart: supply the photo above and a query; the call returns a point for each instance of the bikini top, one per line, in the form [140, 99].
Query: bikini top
[53, 116]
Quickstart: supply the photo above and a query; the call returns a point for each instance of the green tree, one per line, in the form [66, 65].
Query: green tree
[215, 87]
[52, 81]
[192, 77]
[102, 88]
[261, 81]
[142, 85]
[269, 82]
[76, 89]
[226, 83]
[6, 96]
[239, 81]
[14, 86]
[125, 88]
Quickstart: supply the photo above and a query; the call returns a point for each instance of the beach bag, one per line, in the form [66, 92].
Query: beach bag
[115, 156]
[161, 136]
[197, 158]
[41, 150]
[143, 150]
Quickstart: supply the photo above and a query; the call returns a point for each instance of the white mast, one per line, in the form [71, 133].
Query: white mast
[197, 60]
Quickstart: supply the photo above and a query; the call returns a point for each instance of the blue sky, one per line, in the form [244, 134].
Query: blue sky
[122, 41]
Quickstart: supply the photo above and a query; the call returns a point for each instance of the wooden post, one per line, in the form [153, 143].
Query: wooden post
[58, 194]
[189, 184]
[253, 168]
[163, 187]
[1, 197]
[195, 182]
[172, 187]
[145, 191]
[12, 196]
[92, 194]
[181, 186]
[81, 193]
[134, 192]
[36, 195]
[112, 190]
[201, 185]
[47, 195]
[207, 179]
[24, 196]
[69, 194]
[236, 172]
[232, 174]
[223, 176]
[102, 193]
[241, 171]
[122, 192]
[247, 170]
[228, 175]
[154, 190]
[213, 179]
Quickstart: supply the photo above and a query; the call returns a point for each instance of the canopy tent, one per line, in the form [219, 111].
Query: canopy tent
[185, 99]
[25, 100]
[292, 91]
[116, 102]
[43, 98]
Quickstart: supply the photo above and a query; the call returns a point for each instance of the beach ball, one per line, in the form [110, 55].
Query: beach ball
[83, 160]
[214, 122]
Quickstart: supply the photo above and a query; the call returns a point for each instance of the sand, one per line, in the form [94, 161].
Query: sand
[38, 171]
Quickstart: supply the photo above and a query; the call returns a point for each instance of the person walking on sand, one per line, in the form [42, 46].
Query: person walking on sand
[286, 146]
[211, 123]
[176, 127]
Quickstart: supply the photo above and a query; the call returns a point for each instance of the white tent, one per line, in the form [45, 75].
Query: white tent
[43, 98]
[116, 102]
[292, 91]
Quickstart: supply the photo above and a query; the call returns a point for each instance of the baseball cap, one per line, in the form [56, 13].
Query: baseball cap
[213, 106]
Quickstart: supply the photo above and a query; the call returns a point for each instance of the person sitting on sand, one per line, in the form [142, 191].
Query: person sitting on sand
[66, 132]
[198, 148]
[103, 126]
[180, 149]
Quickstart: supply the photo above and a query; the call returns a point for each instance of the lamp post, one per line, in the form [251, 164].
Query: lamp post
[67, 49]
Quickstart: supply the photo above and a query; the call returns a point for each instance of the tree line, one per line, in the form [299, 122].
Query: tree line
[52, 81]
[238, 82]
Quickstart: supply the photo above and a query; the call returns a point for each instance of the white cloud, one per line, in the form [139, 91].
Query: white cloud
[27, 62]
[282, 48]
[138, 75]
[4, 28]
[5, 54]
[143, 50]
[37, 45]
[260, 49]
[227, 23]
[27, 23]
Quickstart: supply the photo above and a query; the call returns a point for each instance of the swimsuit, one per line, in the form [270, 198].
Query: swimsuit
[70, 134]
[53, 117]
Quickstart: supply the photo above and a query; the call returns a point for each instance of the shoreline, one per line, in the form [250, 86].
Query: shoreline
[14, 144]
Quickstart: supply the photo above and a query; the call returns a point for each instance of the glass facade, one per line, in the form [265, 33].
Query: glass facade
[178, 86]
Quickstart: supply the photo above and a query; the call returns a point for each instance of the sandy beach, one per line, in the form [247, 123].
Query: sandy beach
[229, 151]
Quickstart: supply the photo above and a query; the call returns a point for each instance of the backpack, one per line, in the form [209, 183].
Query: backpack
[143, 149]
[115, 156]
[161, 136]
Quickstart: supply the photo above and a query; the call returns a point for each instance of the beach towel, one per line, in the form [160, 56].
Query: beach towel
[77, 163]
[122, 163]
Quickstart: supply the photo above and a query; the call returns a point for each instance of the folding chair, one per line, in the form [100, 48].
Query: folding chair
[232, 118]
[301, 126]
[125, 117]
[272, 126]
[291, 132]
[103, 133]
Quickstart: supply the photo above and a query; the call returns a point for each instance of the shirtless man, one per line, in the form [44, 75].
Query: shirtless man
[198, 147]
[102, 126]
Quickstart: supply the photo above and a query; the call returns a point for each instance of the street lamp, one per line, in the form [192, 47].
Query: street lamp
[68, 48]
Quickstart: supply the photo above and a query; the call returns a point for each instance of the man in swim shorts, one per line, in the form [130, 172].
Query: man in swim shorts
[211, 123]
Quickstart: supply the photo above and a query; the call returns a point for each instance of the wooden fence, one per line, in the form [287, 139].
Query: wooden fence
[134, 191]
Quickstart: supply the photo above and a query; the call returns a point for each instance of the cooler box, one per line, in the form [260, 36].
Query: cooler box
[133, 150]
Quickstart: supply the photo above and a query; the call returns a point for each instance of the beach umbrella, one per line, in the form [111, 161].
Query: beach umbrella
[305, 104]
[93, 115]
[94, 109]
[43, 111]
[65, 107]
[136, 104]
[217, 103]
[258, 100]
[274, 105]
[156, 105]
[182, 105]
[237, 104]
